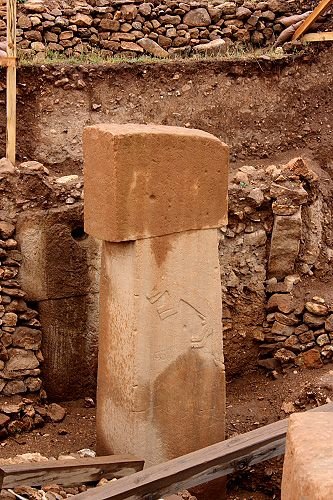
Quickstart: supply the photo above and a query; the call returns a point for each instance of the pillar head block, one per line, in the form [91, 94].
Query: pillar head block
[143, 181]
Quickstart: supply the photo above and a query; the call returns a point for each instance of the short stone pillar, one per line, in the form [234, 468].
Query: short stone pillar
[155, 196]
[308, 462]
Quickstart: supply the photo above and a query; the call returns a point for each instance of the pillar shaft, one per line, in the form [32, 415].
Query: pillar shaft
[161, 374]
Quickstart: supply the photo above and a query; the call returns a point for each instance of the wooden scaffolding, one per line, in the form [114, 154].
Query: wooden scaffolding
[8, 10]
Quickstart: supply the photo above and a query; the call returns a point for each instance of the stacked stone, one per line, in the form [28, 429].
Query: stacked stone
[20, 334]
[26, 415]
[157, 28]
[295, 332]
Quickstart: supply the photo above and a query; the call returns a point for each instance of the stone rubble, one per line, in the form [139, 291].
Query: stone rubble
[160, 29]
[23, 415]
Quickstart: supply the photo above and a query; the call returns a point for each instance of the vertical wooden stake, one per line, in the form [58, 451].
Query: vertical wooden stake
[11, 82]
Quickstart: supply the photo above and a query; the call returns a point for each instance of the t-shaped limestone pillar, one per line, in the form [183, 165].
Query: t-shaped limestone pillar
[155, 195]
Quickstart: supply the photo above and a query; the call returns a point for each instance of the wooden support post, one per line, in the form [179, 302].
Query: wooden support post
[11, 81]
[318, 11]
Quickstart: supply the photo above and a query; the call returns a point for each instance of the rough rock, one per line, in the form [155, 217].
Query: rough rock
[28, 338]
[285, 243]
[152, 48]
[55, 412]
[310, 359]
[317, 309]
[281, 302]
[197, 17]
[212, 48]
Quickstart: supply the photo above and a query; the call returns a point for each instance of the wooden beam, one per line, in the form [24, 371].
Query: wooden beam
[325, 36]
[67, 472]
[201, 466]
[318, 11]
[8, 61]
[11, 82]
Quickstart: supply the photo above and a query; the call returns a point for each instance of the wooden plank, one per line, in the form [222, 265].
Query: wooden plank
[67, 472]
[201, 466]
[11, 82]
[8, 61]
[325, 36]
[318, 11]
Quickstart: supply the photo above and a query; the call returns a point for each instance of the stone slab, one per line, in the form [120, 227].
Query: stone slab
[58, 259]
[286, 238]
[151, 180]
[161, 383]
[69, 346]
[308, 463]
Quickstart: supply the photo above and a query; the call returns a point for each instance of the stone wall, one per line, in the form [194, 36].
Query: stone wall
[275, 261]
[48, 285]
[155, 28]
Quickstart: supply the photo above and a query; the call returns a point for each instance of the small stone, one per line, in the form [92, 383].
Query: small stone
[293, 343]
[67, 179]
[268, 363]
[20, 359]
[282, 303]
[284, 356]
[4, 419]
[89, 403]
[306, 337]
[327, 352]
[313, 321]
[319, 300]
[6, 167]
[152, 48]
[323, 339]
[14, 387]
[317, 309]
[285, 319]
[311, 359]
[213, 48]
[55, 412]
[282, 329]
[6, 230]
[197, 18]
[329, 323]
[301, 329]
[288, 407]
[86, 452]
[29, 338]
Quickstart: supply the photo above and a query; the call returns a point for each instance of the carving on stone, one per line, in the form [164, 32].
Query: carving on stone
[192, 318]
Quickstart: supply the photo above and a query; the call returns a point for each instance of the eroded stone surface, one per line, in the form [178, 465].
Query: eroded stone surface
[161, 373]
[143, 181]
[308, 463]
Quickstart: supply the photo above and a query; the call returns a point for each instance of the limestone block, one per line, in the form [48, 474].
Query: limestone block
[286, 237]
[69, 346]
[308, 463]
[161, 387]
[143, 181]
[58, 259]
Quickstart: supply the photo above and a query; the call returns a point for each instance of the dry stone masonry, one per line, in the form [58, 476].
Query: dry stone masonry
[275, 240]
[160, 29]
[23, 190]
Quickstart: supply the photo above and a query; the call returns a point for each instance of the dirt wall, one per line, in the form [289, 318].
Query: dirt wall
[262, 108]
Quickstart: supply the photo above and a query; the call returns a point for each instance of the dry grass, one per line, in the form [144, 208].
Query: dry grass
[96, 57]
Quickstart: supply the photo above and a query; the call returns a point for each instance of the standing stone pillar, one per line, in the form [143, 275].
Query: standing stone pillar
[155, 196]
